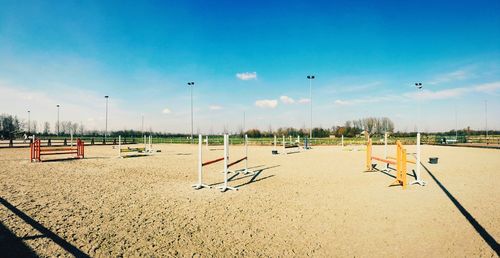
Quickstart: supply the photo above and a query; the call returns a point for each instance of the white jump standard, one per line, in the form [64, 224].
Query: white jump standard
[146, 150]
[226, 167]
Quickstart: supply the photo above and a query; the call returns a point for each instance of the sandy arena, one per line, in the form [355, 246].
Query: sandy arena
[314, 203]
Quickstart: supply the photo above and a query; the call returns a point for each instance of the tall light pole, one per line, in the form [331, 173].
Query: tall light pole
[244, 118]
[456, 123]
[58, 106]
[419, 87]
[191, 85]
[29, 122]
[310, 78]
[142, 126]
[418, 179]
[486, 118]
[106, 128]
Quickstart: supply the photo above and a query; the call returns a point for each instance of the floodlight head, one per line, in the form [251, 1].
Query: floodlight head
[418, 85]
[57, 105]
[190, 83]
[106, 96]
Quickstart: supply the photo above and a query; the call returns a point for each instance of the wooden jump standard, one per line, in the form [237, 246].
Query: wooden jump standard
[400, 162]
[227, 165]
[37, 151]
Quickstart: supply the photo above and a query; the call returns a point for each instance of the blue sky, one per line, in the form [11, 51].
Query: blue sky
[252, 57]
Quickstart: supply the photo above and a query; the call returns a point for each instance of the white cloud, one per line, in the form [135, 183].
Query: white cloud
[266, 103]
[287, 100]
[450, 77]
[341, 102]
[247, 76]
[166, 111]
[304, 101]
[214, 107]
[488, 87]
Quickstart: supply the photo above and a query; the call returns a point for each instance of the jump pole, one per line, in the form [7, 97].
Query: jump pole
[274, 142]
[226, 187]
[342, 141]
[418, 179]
[200, 184]
[206, 141]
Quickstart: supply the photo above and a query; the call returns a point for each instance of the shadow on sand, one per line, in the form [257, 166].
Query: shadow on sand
[11, 244]
[487, 237]
[253, 177]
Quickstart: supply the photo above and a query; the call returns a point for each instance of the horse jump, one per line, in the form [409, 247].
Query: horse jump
[400, 160]
[37, 151]
[146, 150]
[293, 146]
[227, 165]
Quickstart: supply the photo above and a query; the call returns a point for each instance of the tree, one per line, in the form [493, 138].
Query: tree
[46, 128]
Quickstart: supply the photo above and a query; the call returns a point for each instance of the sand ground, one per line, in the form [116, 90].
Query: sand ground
[314, 203]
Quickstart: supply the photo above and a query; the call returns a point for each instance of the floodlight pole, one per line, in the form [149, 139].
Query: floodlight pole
[486, 118]
[142, 126]
[106, 128]
[191, 85]
[310, 78]
[58, 106]
[29, 122]
[418, 179]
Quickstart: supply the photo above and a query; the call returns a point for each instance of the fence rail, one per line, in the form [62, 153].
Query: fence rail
[237, 140]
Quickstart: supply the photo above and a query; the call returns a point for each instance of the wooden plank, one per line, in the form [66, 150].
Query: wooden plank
[385, 160]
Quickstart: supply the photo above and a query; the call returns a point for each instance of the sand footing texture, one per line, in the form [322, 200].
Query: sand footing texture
[318, 203]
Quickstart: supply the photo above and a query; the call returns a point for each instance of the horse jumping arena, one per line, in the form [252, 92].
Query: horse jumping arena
[316, 203]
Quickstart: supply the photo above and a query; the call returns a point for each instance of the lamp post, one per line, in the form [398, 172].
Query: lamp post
[486, 119]
[29, 122]
[106, 128]
[58, 106]
[142, 126]
[191, 85]
[418, 179]
[310, 78]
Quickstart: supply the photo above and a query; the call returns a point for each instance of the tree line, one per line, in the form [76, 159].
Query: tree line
[12, 127]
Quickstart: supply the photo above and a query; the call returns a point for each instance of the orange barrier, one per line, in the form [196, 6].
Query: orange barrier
[400, 162]
[37, 150]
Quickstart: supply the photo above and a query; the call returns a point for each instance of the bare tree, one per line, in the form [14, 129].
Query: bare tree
[46, 128]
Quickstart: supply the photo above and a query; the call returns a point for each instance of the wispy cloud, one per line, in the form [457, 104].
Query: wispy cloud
[347, 88]
[214, 107]
[266, 103]
[458, 75]
[304, 101]
[166, 111]
[287, 100]
[247, 76]
[486, 88]
[344, 102]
